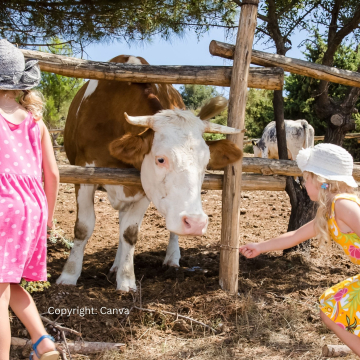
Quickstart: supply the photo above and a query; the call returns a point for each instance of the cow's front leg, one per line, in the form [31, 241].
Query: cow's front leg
[114, 268]
[129, 228]
[173, 255]
[84, 227]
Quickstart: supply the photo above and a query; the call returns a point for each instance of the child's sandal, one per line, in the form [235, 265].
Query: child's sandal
[50, 355]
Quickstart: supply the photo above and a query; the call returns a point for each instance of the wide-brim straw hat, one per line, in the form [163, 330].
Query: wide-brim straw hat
[15, 73]
[330, 161]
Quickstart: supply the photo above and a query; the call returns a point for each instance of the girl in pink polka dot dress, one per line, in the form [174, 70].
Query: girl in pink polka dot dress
[26, 207]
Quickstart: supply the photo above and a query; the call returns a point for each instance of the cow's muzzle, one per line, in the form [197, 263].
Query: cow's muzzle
[195, 225]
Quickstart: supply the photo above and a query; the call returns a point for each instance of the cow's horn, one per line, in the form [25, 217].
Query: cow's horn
[220, 129]
[145, 121]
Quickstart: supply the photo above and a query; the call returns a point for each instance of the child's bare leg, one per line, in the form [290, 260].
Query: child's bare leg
[25, 309]
[351, 340]
[5, 334]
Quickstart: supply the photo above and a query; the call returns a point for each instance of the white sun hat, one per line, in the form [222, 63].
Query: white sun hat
[329, 161]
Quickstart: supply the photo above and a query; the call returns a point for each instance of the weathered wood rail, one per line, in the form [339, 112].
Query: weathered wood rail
[295, 66]
[261, 78]
[316, 138]
[258, 179]
[131, 177]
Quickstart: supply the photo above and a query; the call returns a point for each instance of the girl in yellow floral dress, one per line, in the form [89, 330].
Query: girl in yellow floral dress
[327, 170]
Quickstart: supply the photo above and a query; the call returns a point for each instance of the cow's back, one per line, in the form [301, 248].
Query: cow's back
[299, 134]
[96, 115]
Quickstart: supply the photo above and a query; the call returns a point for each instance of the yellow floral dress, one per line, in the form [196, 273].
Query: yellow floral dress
[341, 303]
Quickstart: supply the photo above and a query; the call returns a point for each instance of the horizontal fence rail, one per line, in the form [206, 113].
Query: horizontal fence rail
[294, 66]
[260, 78]
[316, 138]
[258, 180]
[130, 177]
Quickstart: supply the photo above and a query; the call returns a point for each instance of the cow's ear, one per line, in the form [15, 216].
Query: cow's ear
[222, 153]
[131, 149]
[254, 142]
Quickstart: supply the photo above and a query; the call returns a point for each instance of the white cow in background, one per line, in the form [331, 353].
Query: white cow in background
[299, 134]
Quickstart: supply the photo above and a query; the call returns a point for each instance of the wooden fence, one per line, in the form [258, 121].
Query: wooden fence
[238, 78]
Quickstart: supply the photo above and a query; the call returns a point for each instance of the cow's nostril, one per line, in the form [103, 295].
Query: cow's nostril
[186, 222]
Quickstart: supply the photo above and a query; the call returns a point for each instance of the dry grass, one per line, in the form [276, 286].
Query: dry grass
[275, 315]
[259, 323]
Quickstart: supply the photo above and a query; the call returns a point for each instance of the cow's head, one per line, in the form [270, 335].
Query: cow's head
[173, 157]
[257, 150]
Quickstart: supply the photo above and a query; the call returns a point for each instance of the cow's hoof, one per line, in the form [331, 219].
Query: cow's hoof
[66, 279]
[123, 292]
[126, 286]
[171, 263]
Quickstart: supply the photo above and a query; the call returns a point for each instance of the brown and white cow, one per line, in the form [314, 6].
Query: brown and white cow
[158, 137]
[299, 134]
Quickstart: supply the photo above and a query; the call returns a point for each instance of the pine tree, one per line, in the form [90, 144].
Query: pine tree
[86, 21]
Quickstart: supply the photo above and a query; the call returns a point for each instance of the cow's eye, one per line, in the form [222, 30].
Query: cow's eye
[161, 161]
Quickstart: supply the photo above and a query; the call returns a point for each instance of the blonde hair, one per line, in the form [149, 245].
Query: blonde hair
[326, 196]
[32, 100]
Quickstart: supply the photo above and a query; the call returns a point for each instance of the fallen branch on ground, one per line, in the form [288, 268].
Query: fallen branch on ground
[62, 353]
[177, 315]
[335, 350]
[59, 327]
[66, 345]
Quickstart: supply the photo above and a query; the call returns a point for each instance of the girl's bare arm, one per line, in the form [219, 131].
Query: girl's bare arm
[282, 242]
[51, 171]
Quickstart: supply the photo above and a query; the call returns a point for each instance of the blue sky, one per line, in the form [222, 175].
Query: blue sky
[180, 51]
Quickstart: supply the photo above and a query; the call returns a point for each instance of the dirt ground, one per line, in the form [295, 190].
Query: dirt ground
[274, 316]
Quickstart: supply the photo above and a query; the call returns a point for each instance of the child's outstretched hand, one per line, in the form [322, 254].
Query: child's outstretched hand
[250, 250]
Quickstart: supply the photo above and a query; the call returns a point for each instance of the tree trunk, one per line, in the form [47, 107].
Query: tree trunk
[278, 104]
[338, 116]
[301, 213]
[302, 208]
[335, 135]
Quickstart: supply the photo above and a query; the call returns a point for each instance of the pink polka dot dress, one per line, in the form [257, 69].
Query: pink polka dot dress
[23, 205]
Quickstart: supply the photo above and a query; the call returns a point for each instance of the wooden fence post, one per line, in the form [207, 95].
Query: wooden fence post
[230, 230]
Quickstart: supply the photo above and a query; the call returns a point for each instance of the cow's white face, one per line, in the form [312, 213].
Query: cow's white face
[173, 156]
[173, 172]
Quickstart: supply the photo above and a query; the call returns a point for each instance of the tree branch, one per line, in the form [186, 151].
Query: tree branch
[287, 8]
[274, 29]
[349, 27]
[48, 45]
[334, 19]
[263, 18]
[334, 41]
[299, 21]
